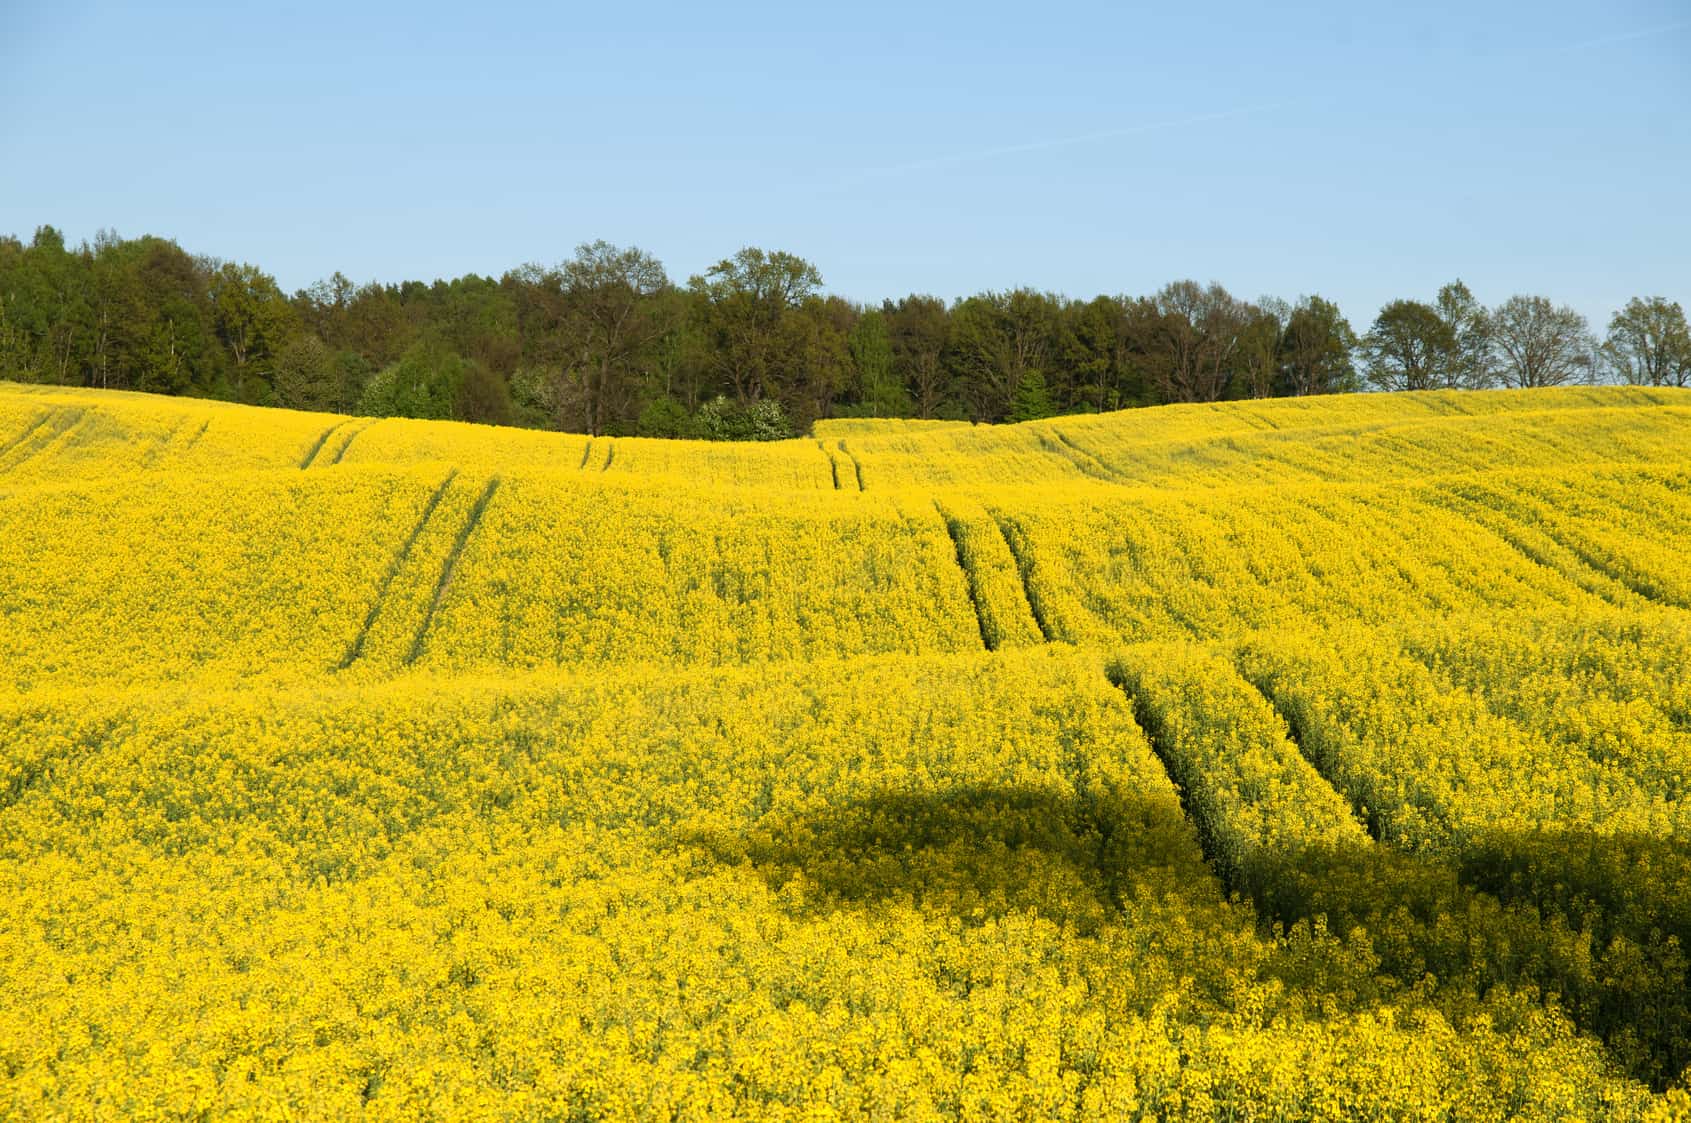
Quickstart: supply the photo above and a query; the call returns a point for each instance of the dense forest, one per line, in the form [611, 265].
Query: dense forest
[607, 342]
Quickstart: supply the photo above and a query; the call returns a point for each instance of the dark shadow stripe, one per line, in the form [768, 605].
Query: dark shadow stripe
[856, 464]
[1369, 817]
[1024, 568]
[394, 566]
[451, 566]
[971, 583]
[350, 437]
[1180, 777]
[75, 419]
[318, 447]
[833, 465]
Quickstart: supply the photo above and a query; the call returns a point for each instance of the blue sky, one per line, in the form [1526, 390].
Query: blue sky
[1363, 152]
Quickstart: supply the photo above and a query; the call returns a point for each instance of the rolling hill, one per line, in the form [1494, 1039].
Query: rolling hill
[1302, 758]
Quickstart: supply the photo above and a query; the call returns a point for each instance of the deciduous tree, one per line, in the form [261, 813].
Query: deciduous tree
[1316, 350]
[919, 327]
[612, 318]
[744, 304]
[1540, 344]
[1475, 365]
[1648, 343]
[1410, 347]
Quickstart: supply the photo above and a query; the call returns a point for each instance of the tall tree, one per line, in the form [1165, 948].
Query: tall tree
[253, 320]
[1032, 400]
[481, 395]
[1258, 364]
[306, 375]
[745, 302]
[1474, 361]
[1540, 344]
[16, 352]
[997, 340]
[425, 382]
[1189, 337]
[55, 309]
[613, 320]
[1094, 355]
[1316, 350]
[919, 327]
[1649, 344]
[323, 306]
[117, 313]
[176, 350]
[877, 387]
[817, 358]
[1410, 347]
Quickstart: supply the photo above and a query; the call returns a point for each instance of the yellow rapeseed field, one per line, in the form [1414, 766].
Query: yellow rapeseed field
[1297, 759]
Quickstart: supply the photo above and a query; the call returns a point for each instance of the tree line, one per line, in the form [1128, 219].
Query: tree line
[608, 343]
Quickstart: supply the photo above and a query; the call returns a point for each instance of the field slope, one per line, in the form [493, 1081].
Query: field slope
[1323, 758]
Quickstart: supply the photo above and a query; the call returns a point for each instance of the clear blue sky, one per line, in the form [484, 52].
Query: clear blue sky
[1360, 151]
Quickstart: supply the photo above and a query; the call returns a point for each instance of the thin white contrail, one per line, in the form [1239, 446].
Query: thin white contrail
[1182, 122]
[1054, 142]
[1623, 36]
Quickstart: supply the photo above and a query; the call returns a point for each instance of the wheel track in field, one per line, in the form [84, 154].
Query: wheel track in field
[1023, 557]
[1297, 736]
[311, 454]
[350, 437]
[856, 464]
[450, 567]
[356, 648]
[833, 465]
[1082, 461]
[160, 447]
[30, 427]
[195, 439]
[41, 437]
[1462, 921]
[971, 580]
[1508, 527]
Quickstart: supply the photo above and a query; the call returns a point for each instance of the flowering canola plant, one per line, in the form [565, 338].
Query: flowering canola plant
[1315, 759]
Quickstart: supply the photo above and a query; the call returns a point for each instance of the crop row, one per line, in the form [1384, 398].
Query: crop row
[959, 886]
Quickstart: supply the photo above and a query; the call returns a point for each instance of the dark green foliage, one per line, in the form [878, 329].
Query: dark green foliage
[664, 417]
[1411, 347]
[1032, 400]
[307, 376]
[424, 383]
[481, 395]
[605, 343]
[878, 388]
[1316, 349]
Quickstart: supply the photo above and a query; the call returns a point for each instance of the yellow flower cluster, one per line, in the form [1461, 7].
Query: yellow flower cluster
[1529, 894]
[960, 888]
[558, 576]
[1278, 760]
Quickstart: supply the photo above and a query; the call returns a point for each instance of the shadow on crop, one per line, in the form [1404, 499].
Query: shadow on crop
[977, 852]
[1597, 926]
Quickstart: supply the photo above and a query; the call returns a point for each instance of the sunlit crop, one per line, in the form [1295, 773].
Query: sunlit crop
[1303, 759]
